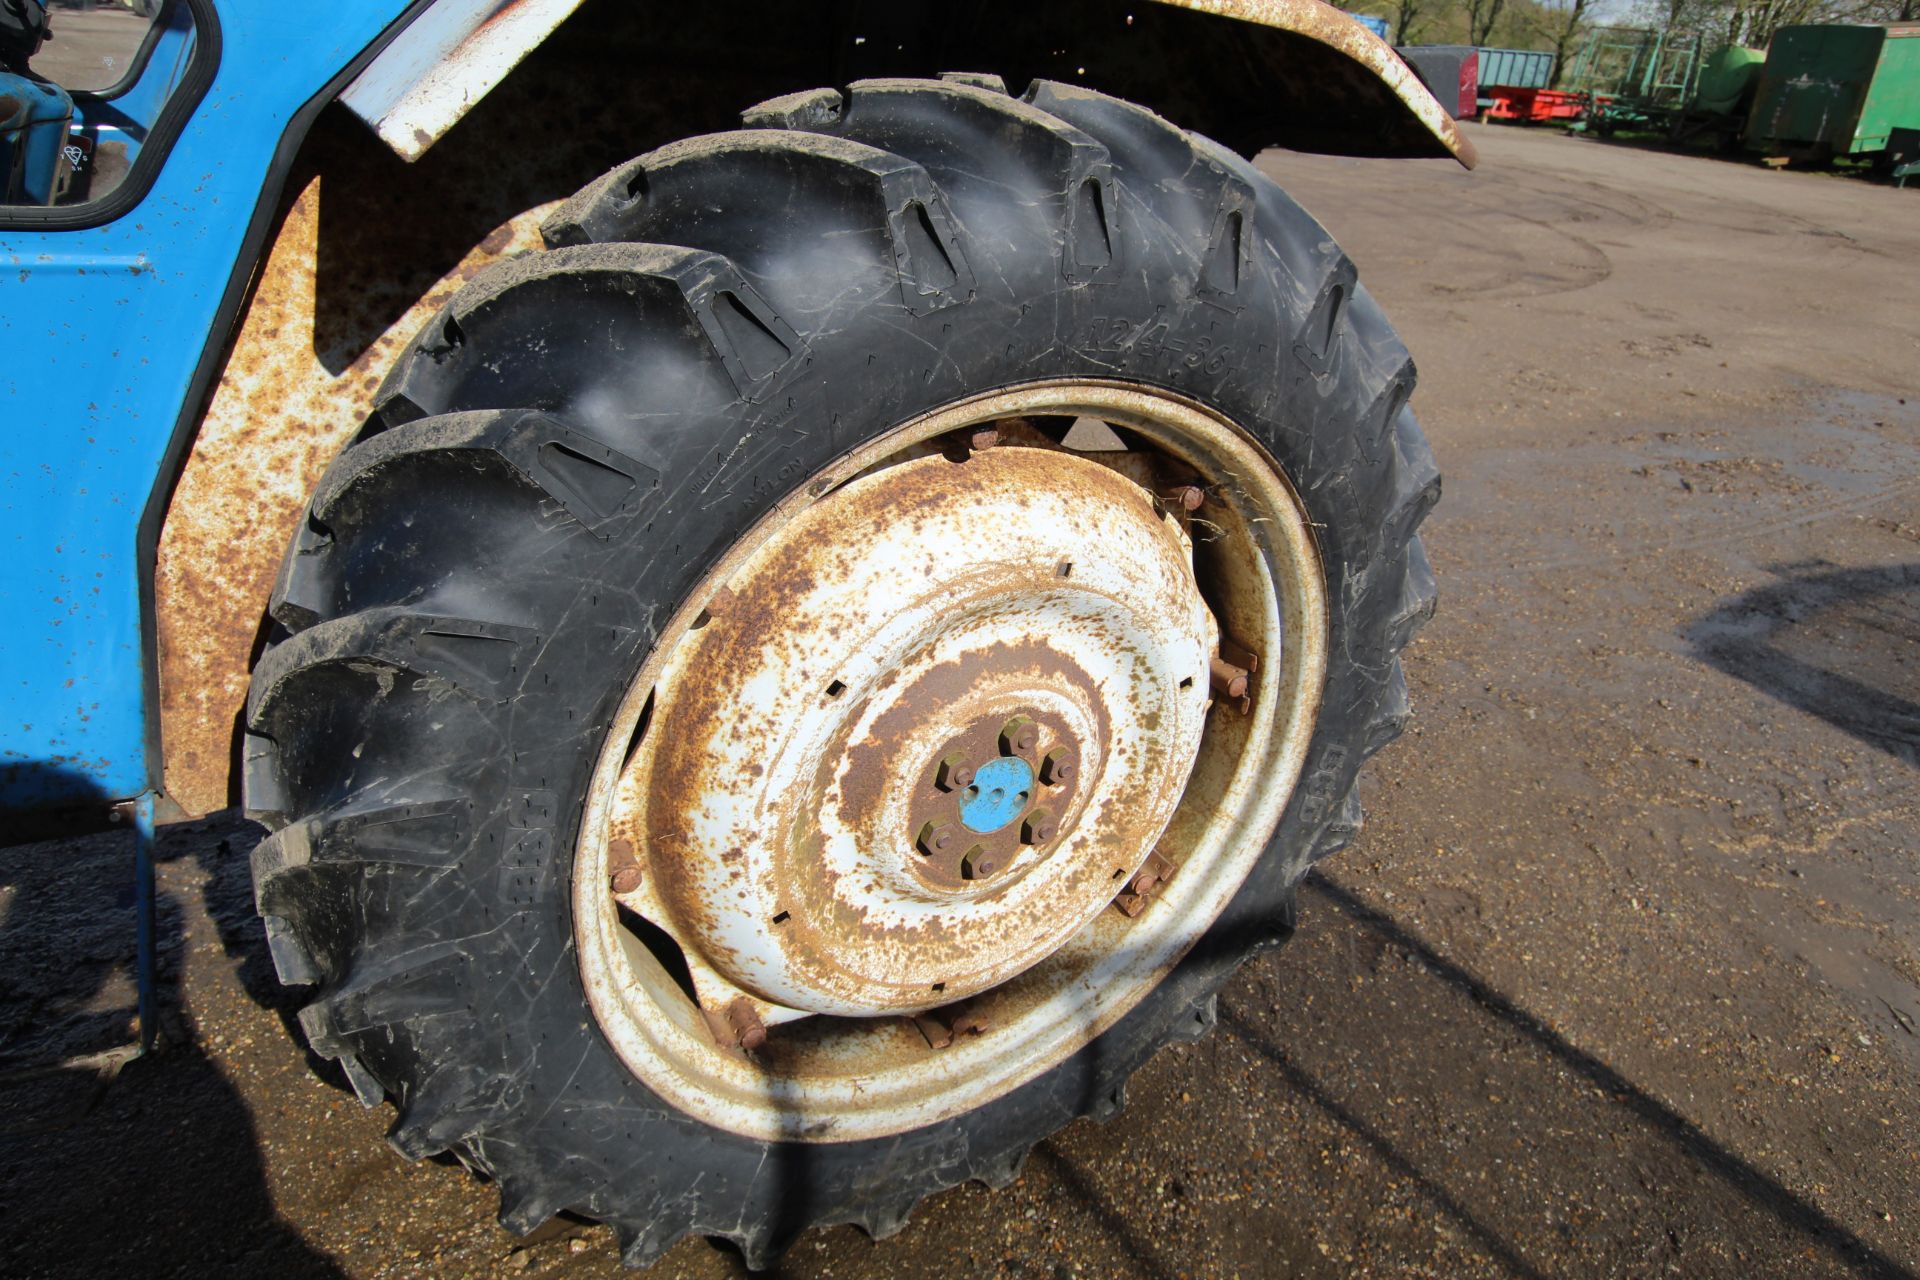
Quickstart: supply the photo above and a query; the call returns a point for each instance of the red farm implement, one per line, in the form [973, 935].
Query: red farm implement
[1533, 105]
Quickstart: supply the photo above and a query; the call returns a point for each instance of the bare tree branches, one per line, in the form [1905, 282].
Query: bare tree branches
[1481, 15]
[1754, 22]
[1562, 22]
[1405, 14]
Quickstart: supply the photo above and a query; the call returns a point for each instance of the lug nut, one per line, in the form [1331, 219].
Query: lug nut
[627, 879]
[1019, 737]
[1057, 768]
[935, 838]
[1039, 827]
[979, 864]
[953, 774]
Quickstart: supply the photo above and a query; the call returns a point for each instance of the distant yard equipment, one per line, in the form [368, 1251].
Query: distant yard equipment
[1515, 68]
[1636, 77]
[1451, 73]
[1534, 106]
[1722, 96]
[1903, 154]
[1639, 63]
[1820, 91]
[1373, 23]
[1513, 86]
[1832, 89]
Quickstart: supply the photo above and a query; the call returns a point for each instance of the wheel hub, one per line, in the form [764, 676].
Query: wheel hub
[928, 732]
[793, 817]
[990, 794]
[1003, 787]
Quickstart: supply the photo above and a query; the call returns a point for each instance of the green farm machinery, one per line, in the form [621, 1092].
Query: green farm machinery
[1635, 78]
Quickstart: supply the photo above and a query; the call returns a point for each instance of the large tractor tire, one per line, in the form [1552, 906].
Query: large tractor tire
[800, 688]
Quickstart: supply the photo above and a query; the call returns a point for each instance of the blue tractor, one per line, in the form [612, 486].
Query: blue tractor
[779, 656]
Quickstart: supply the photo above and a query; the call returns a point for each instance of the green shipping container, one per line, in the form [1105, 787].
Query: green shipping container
[1840, 88]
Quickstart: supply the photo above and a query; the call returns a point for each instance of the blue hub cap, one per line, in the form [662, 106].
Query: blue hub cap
[999, 794]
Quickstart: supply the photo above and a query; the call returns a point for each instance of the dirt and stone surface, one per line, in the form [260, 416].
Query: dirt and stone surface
[1621, 979]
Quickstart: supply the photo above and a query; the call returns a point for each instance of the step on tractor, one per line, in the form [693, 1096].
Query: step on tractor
[777, 655]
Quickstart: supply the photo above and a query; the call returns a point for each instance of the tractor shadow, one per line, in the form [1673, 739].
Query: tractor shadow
[1588, 1122]
[1363, 1096]
[1736, 156]
[1840, 644]
[1426, 1086]
[111, 1162]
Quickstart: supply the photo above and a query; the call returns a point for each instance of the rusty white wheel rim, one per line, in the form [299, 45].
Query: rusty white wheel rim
[767, 802]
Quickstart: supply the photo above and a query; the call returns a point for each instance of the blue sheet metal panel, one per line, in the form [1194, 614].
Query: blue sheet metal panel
[102, 328]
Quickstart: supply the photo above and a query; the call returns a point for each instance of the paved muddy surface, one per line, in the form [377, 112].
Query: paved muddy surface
[1621, 979]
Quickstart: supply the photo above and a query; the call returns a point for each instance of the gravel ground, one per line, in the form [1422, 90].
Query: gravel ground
[1622, 978]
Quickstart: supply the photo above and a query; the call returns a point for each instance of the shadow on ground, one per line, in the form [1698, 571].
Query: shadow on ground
[1840, 644]
[1580, 1130]
[1366, 1098]
[110, 1162]
[1370, 1105]
[1703, 147]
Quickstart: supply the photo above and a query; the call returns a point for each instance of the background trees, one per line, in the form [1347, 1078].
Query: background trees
[1561, 25]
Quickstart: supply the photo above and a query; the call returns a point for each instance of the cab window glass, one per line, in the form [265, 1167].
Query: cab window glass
[82, 85]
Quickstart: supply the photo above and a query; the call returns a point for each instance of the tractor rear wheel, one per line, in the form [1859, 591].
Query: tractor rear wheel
[802, 687]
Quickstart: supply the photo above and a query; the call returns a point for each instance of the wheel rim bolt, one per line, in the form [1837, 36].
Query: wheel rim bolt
[627, 879]
[1227, 680]
[746, 1024]
[935, 838]
[953, 775]
[1019, 737]
[1187, 497]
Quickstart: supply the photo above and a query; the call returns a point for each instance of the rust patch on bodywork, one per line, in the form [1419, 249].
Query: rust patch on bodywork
[276, 420]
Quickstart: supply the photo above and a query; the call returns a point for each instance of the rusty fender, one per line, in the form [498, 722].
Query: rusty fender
[277, 418]
[1352, 68]
[1326, 83]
